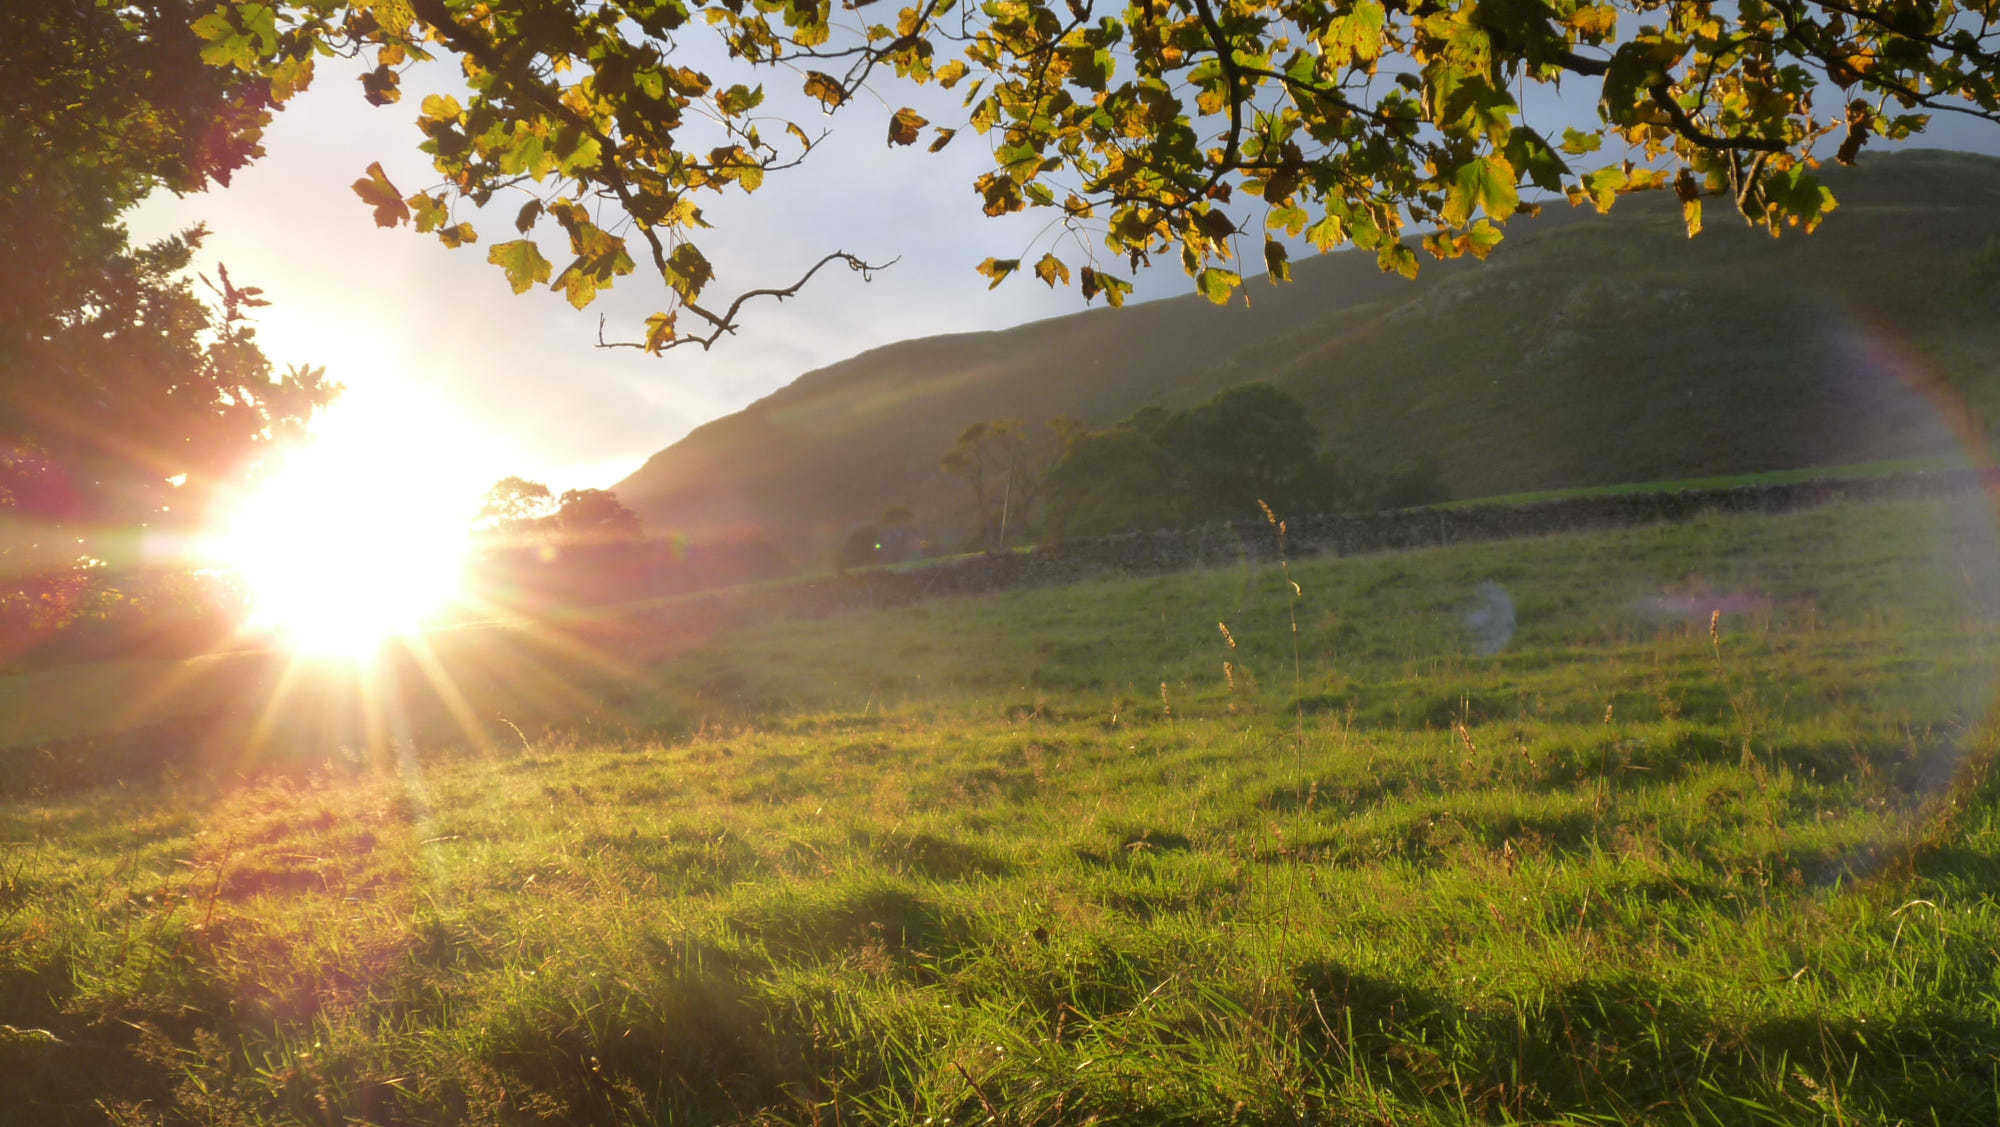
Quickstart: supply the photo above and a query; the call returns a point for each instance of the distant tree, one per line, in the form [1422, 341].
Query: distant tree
[1110, 481]
[516, 506]
[1003, 462]
[1417, 482]
[595, 516]
[1249, 443]
[971, 461]
[1163, 468]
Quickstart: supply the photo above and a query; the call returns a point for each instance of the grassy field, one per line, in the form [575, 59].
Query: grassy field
[1690, 824]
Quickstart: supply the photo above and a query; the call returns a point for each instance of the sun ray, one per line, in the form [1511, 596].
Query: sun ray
[442, 683]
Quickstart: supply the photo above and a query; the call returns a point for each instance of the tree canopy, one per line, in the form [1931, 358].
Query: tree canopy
[1197, 129]
[126, 391]
[517, 512]
[1249, 446]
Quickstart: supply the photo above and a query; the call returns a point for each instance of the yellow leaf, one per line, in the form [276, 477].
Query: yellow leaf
[376, 191]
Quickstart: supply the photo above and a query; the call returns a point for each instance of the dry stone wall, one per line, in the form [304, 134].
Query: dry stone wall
[1152, 553]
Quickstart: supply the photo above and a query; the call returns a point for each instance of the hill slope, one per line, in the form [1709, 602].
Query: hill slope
[1589, 349]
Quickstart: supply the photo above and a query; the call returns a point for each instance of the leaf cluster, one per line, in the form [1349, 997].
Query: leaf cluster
[1181, 129]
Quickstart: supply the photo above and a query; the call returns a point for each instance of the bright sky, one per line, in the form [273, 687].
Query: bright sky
[431, 342]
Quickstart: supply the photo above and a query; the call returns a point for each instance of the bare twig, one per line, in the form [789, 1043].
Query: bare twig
[726, 322]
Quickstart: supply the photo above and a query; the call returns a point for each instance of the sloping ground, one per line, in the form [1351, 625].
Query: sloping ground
[1590, 349]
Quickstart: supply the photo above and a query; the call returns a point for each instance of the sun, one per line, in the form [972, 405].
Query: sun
[357, 537]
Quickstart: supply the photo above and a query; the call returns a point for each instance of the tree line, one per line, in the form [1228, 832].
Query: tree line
[1248, 446]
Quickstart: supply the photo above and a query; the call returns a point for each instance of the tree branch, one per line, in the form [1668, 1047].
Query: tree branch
[1689, 128]
[725, 322]
[464, 39]
[1226, 55]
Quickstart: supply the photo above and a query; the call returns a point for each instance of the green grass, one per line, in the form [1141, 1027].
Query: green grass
[1031, 859]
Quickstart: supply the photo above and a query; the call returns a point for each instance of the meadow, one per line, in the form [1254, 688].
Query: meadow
[1680, 824]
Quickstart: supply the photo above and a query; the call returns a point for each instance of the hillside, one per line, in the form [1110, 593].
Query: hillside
[1589, 349]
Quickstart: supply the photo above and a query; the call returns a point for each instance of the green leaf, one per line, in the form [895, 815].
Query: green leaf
[376, 191]
[1020, 161]
[1634, 68]
[1799, 196]
[212, 26]
[1356, 35]
[1397, 258]
[523, 262]
[1277, 261]
[739, 100]
[429, 211]
[1291, 219]
[1486, 183]
[584, 153]
[1527, 151]
[1602, 186]
[1576, 142]
[1327, 233]
[1216, 284]
[1481, 239]
[688, 271]
[577, 284]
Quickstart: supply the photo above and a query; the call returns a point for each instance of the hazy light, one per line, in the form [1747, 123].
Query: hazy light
[359, 535]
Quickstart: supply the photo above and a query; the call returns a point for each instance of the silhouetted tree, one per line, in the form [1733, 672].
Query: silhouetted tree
[1003, 463]
[1162, 468]
[595, 516]
[1110, 481]
[516, 506]
[133, 398]
[128, 398]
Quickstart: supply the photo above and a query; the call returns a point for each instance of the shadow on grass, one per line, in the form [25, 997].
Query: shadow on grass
[1627, 1050]
[874, 923]
[681, 1041]
[928, 855]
